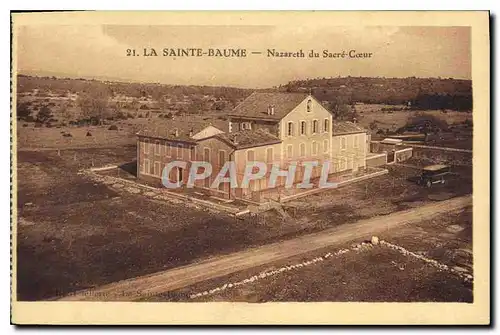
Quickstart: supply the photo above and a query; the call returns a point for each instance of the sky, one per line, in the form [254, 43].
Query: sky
[99, 51]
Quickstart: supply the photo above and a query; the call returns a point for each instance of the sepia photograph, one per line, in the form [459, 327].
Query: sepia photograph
[183, 160]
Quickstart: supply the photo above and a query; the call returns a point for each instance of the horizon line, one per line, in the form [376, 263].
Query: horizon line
[131, 81]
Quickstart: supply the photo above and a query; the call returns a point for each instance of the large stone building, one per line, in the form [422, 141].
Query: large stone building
[274, 128]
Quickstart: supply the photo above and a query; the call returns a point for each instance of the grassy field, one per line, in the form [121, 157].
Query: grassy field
[386, 119]
[370, 274]
[30, 137]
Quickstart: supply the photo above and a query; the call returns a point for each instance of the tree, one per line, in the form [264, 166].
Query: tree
[64, 112]
[426, 123]
[44, 114]
[341, 109]
[94, 105]
[23, 111]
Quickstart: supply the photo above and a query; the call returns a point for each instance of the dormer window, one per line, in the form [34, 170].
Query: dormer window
[309, 105]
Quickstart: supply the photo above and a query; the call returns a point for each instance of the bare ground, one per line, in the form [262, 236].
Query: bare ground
[75, 234]
[373, 274]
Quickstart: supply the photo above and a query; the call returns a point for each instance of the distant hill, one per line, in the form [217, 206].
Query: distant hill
[137, 90]
[422, 93]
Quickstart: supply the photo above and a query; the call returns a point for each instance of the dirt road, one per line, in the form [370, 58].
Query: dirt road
[158, 283]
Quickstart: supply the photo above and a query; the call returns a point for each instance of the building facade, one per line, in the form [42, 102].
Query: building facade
[274, 128]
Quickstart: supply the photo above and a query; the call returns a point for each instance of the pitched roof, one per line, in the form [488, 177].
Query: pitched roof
[249, 138]
[257, 104]
[346, 127]
[185, 126]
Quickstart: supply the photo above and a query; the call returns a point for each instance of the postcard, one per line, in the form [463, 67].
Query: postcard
[242, 168]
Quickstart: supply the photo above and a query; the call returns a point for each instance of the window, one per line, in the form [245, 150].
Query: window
[343, 143]
[250, 156]
[289, 151]
[206, 157]
[180, 174]
[147, 167]
[157, 169]
[146, 146]
[290, 129]
[309, 105]
[157, 147]
[302, 127]
[178, 153]
[343, 163]
[325, 145]
[246, 125]
[356, 141]
[193, 153]
[315, 126]
[326, 125]
[314, 148]
[269, 155]
[168, 149]
[302, 149]
[222, 158]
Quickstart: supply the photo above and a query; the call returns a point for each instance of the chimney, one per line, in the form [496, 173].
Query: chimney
[270, 110]
[191, 133]
[176, 132]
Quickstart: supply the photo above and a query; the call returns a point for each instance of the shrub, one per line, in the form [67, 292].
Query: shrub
[67, 135]
[120, 116]
[113, 127]
[88, 133]
[44, 114]
[426, 123]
